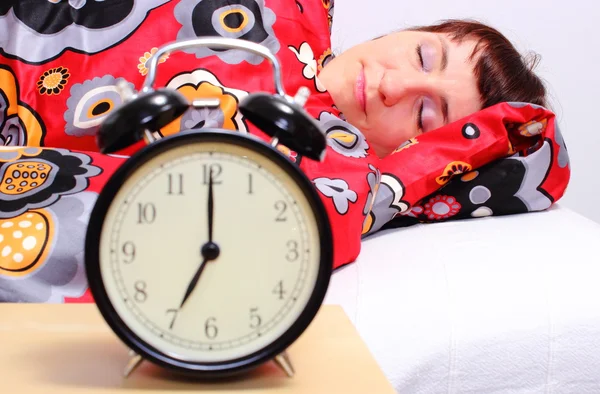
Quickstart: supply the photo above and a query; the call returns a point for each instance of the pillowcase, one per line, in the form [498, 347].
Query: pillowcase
[57, 88]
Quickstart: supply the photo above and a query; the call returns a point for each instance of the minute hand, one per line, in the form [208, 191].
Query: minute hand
[211, 206]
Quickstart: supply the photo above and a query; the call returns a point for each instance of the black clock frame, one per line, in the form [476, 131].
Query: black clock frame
[148, 352]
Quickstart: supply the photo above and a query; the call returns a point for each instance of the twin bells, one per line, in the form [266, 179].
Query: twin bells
[278, 115]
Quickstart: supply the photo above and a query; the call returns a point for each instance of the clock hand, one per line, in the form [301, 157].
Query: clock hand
[210, 250]
[193, 282]
[211, 206]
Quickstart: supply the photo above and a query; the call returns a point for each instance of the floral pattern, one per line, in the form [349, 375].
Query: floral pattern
[251, 20]
[144, 60]
[90, 102]
[53, 81]
[82, 26]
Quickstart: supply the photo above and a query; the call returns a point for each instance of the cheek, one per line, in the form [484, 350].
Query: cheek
[388, 131]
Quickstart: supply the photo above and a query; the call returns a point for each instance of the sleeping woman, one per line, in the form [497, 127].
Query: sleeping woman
[427, 77]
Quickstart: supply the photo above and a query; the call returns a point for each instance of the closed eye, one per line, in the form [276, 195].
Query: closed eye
[420, 116]
[420, 55]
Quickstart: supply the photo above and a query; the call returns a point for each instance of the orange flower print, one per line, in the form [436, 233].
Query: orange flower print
[53, 81]
[142, 66]
[452, 169]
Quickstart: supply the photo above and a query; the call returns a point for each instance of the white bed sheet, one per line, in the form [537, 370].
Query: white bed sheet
[495, 305]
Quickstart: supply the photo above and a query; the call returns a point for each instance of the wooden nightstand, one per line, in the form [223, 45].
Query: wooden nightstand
[63, 349]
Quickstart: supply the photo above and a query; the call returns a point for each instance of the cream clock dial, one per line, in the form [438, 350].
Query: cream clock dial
[207, 252]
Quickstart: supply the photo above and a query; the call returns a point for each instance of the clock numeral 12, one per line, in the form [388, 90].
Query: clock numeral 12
[250, 190]
[216, 173]
[175, 184]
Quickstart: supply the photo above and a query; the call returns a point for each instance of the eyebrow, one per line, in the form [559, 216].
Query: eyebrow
[443, 66]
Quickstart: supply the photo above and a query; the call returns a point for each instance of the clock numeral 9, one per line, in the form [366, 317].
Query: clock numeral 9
[146, 213]
[128, 250]
[278, 290]
[210, 329]
[140, 294]
[255, 319]
[281, 207]
[292, 254]
[216, 173]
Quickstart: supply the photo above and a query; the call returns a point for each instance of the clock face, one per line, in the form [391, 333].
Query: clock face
[269, 253]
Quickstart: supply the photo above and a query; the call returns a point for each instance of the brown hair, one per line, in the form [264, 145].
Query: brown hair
[502, 73]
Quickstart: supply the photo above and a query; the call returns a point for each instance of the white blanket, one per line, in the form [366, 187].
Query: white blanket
[496, 305]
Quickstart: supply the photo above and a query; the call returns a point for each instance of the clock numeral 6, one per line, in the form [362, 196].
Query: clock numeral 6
[140, 294]
[146, 213]
[255, 319]
[210, 329]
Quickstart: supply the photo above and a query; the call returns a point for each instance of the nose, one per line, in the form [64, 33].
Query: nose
[395, 86]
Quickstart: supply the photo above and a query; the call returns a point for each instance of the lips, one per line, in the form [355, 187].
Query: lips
[359, 89]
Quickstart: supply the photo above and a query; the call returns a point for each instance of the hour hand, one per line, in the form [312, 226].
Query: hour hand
[193, 282]
[210, 251]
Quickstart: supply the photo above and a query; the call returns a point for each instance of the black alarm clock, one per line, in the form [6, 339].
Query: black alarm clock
[209, 252]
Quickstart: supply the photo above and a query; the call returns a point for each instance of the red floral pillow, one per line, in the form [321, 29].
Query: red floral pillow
[59, 72]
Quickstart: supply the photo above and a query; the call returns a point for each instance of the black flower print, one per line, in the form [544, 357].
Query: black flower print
[51, 27]
[33, 178]
[249, 20]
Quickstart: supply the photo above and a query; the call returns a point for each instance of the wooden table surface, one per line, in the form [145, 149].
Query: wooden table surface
[64, 349]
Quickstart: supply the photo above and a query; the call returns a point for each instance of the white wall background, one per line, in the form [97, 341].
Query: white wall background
[565, 33]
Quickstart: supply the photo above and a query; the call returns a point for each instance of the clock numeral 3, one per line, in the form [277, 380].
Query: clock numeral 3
[292, 254]
[128, 250]
[140, 294]
[255, 319]
[146, 213]
[210, 329]
[278, 290]
[216, 173]
[175, 184]
[281, 207]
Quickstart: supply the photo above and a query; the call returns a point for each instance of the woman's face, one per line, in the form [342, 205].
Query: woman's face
[403, 84]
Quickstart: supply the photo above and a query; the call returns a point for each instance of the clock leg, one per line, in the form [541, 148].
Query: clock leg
[283, 361]
[133, 363]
